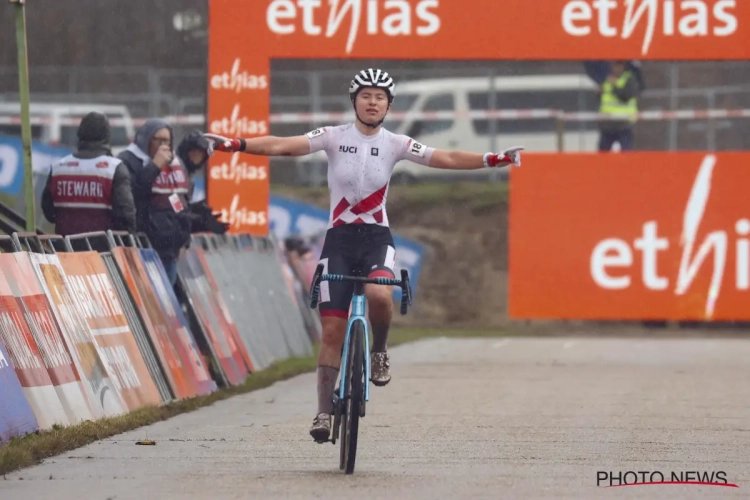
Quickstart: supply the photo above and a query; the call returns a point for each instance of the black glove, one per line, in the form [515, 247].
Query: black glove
[216, 226]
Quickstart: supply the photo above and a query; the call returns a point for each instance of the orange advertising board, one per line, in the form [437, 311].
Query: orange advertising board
[176, 361]
[86, 290]
[244, 35]
[630, 236]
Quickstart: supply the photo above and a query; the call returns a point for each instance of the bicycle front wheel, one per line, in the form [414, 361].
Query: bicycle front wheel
[355, 395]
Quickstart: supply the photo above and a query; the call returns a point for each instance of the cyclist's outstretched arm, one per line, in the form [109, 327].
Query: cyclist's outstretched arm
[457, 160]
[262, 146]
[462, 160]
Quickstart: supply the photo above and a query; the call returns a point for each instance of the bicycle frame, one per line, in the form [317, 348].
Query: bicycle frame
[359, 303]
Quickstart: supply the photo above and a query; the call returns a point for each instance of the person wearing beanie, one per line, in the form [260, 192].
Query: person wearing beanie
[90, 190]
[161, 187]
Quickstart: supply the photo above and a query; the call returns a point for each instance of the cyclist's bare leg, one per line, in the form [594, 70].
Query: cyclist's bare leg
[380, 304]
[329, 360]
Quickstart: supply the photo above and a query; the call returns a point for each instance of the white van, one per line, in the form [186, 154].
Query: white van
[57, 123]
[475, 134]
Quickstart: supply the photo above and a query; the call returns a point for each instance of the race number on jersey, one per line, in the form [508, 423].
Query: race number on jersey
[315, 133]
[416, 148]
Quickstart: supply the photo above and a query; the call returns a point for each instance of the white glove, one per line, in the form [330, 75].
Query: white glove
[218, 143]
[510, 155]
[513, 155]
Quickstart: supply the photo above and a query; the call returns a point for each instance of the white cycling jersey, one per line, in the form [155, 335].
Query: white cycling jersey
[360, 168]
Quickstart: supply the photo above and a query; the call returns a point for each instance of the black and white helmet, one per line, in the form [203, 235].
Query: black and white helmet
[373, 78]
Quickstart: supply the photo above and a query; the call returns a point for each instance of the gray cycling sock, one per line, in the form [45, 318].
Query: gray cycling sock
[380, 335]
[327, 377]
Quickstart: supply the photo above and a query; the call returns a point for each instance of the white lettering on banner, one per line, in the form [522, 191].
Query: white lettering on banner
[238, 126]
[19, 350]
[105, 294]
[71, 324]
[686, 18]
[122, 367]
[238, 171]
[82, 299]
[397, 20]
[238, 216]
[238, 80]
[102, 303]
[617, 253]
[52, 349]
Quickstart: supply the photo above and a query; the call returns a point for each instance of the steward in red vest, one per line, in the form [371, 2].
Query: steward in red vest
[90, 189]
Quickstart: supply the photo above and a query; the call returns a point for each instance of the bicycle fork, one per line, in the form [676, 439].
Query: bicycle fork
[358, 314]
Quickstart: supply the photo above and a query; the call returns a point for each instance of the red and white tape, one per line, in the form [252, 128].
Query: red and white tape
[505, 114]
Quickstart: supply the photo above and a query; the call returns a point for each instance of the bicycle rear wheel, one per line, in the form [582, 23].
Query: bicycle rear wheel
[355, 395]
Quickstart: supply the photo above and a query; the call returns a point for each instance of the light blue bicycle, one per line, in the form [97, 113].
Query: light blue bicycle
[354, 389]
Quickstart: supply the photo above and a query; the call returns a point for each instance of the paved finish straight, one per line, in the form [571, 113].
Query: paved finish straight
[490, 418]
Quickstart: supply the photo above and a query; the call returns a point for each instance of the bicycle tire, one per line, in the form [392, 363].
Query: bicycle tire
[356, 394]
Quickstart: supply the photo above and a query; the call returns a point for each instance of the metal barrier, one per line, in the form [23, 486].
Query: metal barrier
[302, 295]
[243, 301]
[263, 253]
[299, 289]
[280, 296]
[115, 336]
[260, 300]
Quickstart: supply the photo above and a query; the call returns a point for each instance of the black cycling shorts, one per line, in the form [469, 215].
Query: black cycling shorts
[365, 249]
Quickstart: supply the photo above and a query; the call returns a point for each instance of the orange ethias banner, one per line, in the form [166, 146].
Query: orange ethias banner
[630, 236]
[238, 184]
[450, 29]
[245, 35]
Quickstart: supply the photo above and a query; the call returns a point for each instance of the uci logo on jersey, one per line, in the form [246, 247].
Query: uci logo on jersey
[347, 149]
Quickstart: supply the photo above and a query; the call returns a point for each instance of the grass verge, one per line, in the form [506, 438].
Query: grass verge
[29, 450]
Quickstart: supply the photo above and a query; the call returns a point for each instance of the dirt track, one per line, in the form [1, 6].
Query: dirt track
[491, 418]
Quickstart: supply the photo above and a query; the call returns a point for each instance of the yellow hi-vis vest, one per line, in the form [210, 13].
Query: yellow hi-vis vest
[611, 105]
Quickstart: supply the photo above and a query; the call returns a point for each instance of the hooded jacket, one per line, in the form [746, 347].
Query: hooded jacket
[167, 230]
[203, 219]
